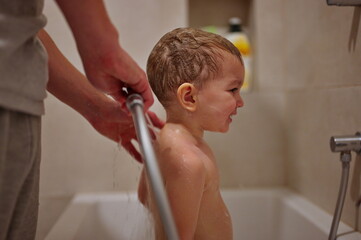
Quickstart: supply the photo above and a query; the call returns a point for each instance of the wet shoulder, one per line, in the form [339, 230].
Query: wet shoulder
[177, 147]
[176, 136]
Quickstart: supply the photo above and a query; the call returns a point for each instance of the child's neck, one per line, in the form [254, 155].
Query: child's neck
[186, 120]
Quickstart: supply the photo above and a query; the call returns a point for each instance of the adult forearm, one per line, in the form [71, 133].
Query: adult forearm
[89, 22]
[67, 83]
[107, 65]
[103, 113]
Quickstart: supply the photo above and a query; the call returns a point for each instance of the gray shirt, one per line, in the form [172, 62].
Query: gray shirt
[23, 60]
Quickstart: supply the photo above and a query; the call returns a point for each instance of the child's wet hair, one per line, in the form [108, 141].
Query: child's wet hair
[185, 55]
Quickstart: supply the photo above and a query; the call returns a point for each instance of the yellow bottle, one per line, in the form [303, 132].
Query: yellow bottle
[241, 41]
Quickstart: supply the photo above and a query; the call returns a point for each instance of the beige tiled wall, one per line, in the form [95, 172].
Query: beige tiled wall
[323, 98]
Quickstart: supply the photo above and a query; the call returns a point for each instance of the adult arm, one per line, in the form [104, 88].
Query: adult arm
[103, 113]
[107, 65]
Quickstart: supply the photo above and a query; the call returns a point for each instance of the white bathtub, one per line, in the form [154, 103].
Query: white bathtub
[271, 214]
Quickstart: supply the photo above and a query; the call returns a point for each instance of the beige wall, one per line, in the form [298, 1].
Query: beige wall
[311, 53]
[323, 87]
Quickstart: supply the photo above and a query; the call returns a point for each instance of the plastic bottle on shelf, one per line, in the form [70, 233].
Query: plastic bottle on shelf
[239, 38]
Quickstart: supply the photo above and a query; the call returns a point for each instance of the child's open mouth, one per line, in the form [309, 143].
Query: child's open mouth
[232, 115]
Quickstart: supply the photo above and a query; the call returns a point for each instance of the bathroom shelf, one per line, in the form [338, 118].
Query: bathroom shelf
[216, 13]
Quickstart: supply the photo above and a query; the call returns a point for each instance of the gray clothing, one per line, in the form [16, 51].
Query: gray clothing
[23, 79]
[23, 60]
[19, 174]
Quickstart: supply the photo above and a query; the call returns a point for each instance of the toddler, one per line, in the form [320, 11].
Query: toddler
[197, 77]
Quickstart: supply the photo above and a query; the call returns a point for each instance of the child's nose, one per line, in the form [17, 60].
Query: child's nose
[240, 102]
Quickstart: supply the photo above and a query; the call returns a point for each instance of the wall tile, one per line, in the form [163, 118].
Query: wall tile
[314, 116]
[316, 46]
[268, 46]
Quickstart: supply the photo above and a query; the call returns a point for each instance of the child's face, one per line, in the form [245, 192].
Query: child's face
[219, 98]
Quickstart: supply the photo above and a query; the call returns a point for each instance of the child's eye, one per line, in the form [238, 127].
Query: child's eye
[234, 90]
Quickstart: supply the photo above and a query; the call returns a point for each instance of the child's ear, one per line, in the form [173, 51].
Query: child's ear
[187, 96]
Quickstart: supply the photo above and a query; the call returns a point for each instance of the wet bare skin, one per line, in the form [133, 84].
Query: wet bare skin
[188, 163]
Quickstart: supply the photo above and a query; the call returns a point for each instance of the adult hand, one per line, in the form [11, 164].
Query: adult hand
[104, 114]
[107, 66]
[106, 122]
[114, 70]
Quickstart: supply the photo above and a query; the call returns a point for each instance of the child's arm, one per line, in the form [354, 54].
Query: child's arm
[184, 177]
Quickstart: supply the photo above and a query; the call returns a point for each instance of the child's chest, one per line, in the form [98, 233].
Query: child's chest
[212, 171]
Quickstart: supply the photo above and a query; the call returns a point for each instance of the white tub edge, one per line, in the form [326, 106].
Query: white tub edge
[81, 203]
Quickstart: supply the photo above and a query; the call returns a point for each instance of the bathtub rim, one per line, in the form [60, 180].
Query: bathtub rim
[81, 203]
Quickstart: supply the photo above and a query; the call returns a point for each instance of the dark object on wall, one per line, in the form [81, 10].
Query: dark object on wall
[344, 2]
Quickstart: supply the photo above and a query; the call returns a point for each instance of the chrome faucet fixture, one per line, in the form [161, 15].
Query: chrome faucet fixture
[344, 145]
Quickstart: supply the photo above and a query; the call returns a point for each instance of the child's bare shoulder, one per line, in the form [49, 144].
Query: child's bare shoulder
[177, 147]
[174, 133]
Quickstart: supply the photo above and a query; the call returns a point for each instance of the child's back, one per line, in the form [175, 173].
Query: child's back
[191, 179]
